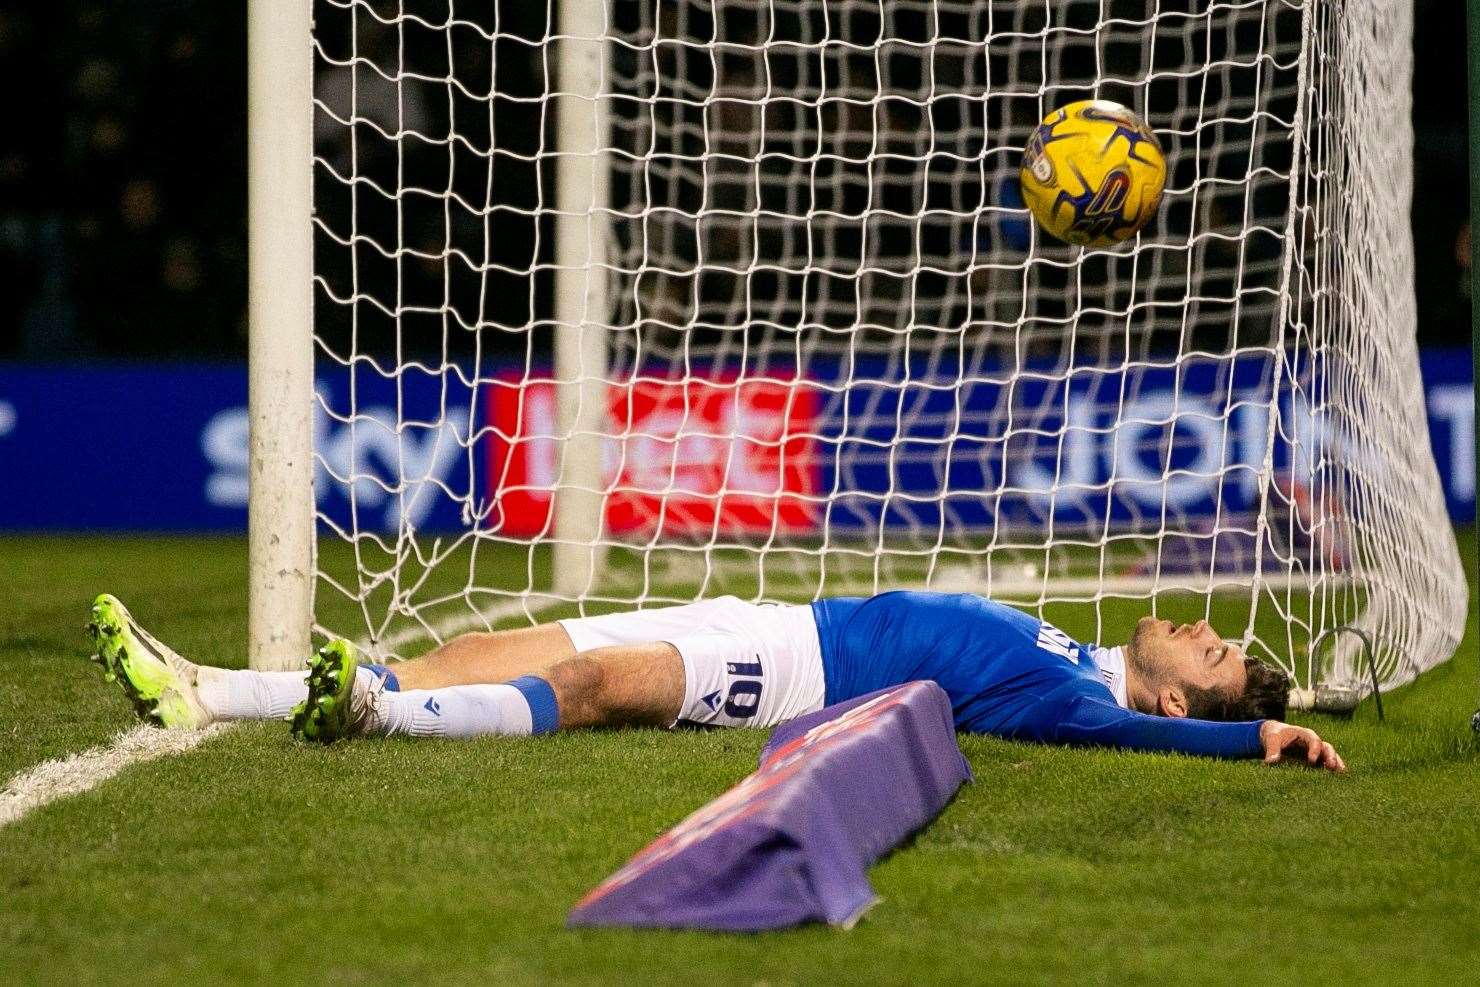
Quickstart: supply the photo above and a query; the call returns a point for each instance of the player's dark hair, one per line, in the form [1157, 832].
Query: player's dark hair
[1264, 697]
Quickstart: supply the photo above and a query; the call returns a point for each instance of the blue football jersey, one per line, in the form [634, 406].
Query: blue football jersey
[1007, 673]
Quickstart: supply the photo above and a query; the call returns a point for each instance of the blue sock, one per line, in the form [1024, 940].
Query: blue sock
[392, 684]
[544, 715]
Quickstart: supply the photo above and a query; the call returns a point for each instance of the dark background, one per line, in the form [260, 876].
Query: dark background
[123, 179]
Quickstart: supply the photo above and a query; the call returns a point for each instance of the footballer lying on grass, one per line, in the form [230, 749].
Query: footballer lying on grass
[724, 662]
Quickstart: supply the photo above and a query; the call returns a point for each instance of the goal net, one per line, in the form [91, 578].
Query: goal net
[630, 304]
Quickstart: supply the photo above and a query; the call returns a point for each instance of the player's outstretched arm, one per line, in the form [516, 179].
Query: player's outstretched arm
[1094, 722]
[1283, 741]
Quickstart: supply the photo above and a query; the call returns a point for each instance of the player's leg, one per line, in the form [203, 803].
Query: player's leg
[738, 664]
[166, 688]
[745, 665]
[499, 656]
[496, 656]
[627, 685]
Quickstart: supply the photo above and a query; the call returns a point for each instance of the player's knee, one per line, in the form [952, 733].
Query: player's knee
[579, 684]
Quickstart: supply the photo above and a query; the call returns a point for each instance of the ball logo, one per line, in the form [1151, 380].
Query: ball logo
[1102, 214]
[1034, 157]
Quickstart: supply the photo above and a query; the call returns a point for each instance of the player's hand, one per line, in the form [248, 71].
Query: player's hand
[1282, 741]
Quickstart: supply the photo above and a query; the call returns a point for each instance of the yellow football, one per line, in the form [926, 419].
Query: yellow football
[1093, 173]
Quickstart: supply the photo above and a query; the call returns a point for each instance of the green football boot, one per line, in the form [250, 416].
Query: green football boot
[339, 699]
[159, 683]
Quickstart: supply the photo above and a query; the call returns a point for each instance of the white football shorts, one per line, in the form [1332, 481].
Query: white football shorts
[744, 664]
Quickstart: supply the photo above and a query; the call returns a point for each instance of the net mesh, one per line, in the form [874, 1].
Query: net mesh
[750, 286]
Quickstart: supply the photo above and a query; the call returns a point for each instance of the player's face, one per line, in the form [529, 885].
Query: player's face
[1191, 654]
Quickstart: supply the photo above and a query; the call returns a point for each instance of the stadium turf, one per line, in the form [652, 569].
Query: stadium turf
[253, 858]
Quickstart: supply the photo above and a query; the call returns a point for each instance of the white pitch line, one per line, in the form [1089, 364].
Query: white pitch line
[51, 780]
[55, 779]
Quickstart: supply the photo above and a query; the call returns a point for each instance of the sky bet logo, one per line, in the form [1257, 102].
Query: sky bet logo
[360, 460]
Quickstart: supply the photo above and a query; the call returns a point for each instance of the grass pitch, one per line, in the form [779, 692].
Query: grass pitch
[253, 858]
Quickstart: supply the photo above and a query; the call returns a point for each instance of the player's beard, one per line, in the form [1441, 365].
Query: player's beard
[1142, 653]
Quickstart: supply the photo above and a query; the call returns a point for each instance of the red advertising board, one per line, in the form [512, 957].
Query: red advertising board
[687, 457]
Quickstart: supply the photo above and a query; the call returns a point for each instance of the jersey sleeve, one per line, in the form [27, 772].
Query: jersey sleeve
[1090, 721]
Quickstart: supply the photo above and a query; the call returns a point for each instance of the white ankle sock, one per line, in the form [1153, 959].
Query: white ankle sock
[230, 694]
[458, 711]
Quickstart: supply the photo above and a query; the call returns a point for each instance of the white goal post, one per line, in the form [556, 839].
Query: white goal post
[624, 305]
[280, 506]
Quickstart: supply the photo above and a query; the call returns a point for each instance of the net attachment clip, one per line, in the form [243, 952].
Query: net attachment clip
[1345, 699]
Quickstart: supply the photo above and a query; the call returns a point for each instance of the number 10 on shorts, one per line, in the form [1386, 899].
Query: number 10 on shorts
[744, 696]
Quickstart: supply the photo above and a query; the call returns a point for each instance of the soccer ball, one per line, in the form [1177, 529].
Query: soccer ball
[1093, 173]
